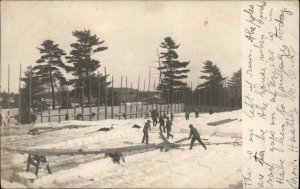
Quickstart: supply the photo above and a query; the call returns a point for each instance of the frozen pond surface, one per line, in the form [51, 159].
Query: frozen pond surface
[218, 167]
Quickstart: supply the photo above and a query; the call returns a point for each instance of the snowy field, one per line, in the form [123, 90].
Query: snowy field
[217, 167]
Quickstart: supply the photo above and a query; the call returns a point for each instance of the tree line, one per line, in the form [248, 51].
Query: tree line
[46, 77]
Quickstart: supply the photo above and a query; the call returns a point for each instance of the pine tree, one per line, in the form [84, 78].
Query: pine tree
[213, 77]
[213, 82]
[235, 83]
[172, 70]
[50, 65]
[83, 65]
[236, 79]
[33, 81]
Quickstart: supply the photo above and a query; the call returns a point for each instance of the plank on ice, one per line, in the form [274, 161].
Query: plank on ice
[220, 122]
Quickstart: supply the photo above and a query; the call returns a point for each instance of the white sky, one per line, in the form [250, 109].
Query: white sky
[132, 30]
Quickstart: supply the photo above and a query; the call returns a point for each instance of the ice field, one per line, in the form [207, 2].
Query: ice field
[219, 166]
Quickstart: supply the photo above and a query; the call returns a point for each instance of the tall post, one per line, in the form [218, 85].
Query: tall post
[159, 83]
[59, 103]
[112, 97]
[177, 101]
[168, 101]
[105, 93]
[192, 96]
[90, 99]
[41, 107]
[137, 104]
[30, 88]
[131, 99]
[143, 97]
[230, 105]
[152, 97]
[199, 97]
[239, 97]
[120, 107]
[67, 101]
[20, 95]
[75, 102]
[82, 108]
[182, 100]
[210, 91]
[126, 96]
[98, 99]
[148, 89]
[49, 97]
[8, 99]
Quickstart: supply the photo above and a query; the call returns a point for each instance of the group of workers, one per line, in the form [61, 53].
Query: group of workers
[167, 125]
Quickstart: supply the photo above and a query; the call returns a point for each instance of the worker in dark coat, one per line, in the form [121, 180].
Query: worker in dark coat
[147, 115]
[162, 124]
[147, 127]
[154, 115]
[196, 113]
[169, 127]
[172, 116]
[195, 136]
[187, 115]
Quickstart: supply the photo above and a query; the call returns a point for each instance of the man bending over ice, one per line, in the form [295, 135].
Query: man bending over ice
[195, 136]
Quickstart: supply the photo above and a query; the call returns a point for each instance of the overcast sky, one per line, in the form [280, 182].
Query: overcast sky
[132, 30]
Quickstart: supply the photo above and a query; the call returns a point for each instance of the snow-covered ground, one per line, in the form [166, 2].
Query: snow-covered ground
[217, 167]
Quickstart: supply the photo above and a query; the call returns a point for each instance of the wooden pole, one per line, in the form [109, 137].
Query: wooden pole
[168, 101]
[20, 95]
[67, 101]
[177, 101]
[59, 103]
[143, 97]
[160, 100]
[148, 89]
[105, 93]
[199, 96]
[30, 87]
[239, 97]
[82, 108]
[8, 99]
[192, 96]
[90, 99]
[75, 102]
[164, 96]
[131, 100]
[153, 93]
[49, 97]
[210, 91]
[137, 104]
[156, 103]
[98, 99]
[183, 104]
[230, 104]
[41, 107]
[120, 107]
[126, 95]
[112, 97]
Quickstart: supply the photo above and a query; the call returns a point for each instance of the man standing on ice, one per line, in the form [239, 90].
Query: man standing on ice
[195, 136]
[172, 116]
[169, 127]
[145, 131]
[187, 115]
[162, 124]
[154, 115]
